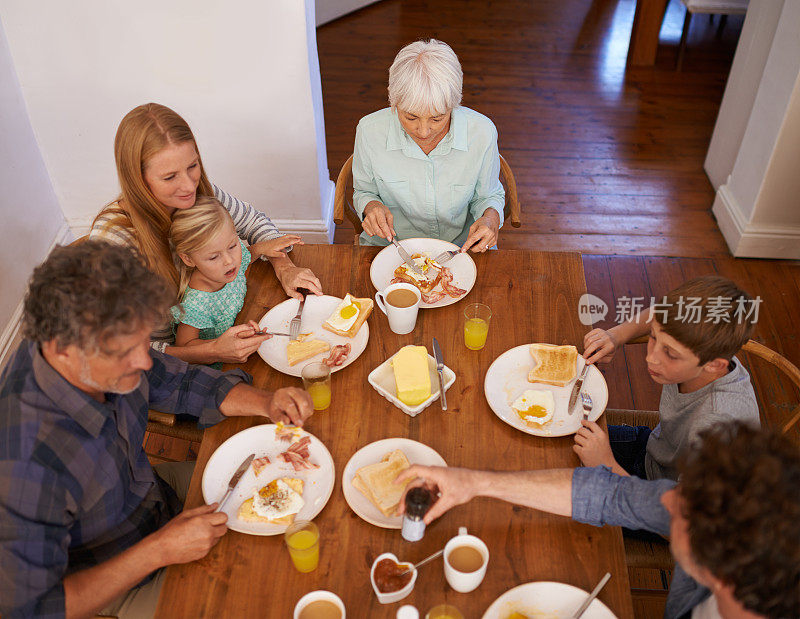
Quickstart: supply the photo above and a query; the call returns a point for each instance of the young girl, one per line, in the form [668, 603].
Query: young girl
[213, 261]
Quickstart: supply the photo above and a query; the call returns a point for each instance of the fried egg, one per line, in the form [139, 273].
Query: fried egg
[426, 264]
[345, 314]
[535, 406]
[276, 500]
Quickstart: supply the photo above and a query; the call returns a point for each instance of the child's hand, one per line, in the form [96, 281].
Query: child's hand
[592, 446]
[274, 248]
[599, 346]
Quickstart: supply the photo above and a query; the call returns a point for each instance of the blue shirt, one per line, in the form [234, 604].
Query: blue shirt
[438, 195]
[76, 487]
[600, 497]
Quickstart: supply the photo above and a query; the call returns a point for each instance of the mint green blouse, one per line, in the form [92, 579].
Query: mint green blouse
[438, 195]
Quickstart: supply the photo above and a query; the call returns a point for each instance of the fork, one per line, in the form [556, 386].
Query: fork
[586, 400]
[294, 326]
[446, 255]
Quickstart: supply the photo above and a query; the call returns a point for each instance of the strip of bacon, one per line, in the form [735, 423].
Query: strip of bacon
[297, 455]
[338, 355]
[259, 464]
[447, 283]
[432, 296]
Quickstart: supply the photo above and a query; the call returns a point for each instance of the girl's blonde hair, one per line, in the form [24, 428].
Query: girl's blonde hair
[194, 228]
[143, 132]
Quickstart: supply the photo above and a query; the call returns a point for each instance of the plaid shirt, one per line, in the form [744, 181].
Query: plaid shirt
[76, 487]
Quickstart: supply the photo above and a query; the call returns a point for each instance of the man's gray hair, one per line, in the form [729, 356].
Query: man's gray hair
[425, 78]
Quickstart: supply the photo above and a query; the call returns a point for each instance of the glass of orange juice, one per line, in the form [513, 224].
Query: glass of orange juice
[476, 325]
[444, 611]
[302, 539]
[317, 381]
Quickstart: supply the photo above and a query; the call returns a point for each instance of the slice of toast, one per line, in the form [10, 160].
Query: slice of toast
[553, 365]
[248, 514]
[364, 310]
[304, 348]
[376, 481]
[432, 275]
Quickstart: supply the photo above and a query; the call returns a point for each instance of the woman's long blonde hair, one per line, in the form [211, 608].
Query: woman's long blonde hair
[143, 132]
[194, 228]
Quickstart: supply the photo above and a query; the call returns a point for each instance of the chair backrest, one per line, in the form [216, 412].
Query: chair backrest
[777, 361]
[343, 206]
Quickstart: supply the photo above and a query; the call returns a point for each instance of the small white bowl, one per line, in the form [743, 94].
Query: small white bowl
[394, 596]
[315, 596]
[382, 378]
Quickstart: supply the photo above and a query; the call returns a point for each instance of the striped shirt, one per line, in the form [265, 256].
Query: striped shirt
[251, 225]
[76, 487]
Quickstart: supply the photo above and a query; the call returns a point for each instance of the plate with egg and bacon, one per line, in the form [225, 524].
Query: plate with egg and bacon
[332, 330]
[291, 477]
[529, 386]
[440, 284]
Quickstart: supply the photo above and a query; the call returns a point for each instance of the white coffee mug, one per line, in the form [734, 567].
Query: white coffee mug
[464, 582]
[401, 319]
[315, 596]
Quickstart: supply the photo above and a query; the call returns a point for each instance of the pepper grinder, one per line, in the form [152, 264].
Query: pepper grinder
[418, 502]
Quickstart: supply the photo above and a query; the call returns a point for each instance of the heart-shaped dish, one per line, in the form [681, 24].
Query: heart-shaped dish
[394, 596]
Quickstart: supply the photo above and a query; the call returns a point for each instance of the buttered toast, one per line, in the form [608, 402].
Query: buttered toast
[344, 321]
[304, 348]
[553, 365]
[431, 269]
[376, 481]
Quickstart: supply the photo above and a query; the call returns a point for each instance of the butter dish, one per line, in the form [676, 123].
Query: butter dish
[382, 379]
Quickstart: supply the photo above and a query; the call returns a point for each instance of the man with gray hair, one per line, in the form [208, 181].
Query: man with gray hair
[86, 521]
[426, 166]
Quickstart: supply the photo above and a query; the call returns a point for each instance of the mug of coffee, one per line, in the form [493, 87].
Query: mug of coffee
[465, 560]
[319, 605]
[400, 303]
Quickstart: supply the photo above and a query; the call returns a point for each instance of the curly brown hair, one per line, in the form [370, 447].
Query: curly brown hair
[741, 491]
[83, 293]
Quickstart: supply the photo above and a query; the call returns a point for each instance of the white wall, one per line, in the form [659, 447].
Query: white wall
[328, 10]
[242, 72]
[757, 206]
[31, 218]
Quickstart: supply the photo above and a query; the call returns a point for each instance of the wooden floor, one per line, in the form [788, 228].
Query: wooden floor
[608, 161]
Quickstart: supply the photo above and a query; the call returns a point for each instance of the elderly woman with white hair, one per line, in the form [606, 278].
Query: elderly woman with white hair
[426, 166]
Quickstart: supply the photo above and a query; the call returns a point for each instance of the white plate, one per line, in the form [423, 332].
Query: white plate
[417, 453]
[548, 600]
[315, 312]
[382, 378]
[261, 441]
[507, 378]
[381, 271]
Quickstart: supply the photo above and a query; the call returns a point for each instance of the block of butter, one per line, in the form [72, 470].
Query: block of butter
[411, 375]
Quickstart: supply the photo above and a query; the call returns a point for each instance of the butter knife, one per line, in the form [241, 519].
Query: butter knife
[235, 479]
[437, 354]
[407, 258]
[576, 389]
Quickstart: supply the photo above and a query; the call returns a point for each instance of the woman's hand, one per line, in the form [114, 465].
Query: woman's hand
[274, 248]
[378, 221]
[238, 343]
[599, 346]
[293, 277]
[483, 233]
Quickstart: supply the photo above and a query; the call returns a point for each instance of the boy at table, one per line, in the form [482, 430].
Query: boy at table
[86, 521]
[732, 519]
[695, 333]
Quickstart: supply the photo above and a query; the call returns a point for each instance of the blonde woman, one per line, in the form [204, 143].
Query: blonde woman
[426, 166]
[160, 172]
[213, 261]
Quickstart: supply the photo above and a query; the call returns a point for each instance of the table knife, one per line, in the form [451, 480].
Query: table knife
[437, 353]
[407, 258]
[576, 389]
[235, 479]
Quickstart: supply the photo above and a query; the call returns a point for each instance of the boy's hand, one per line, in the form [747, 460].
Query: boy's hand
[592, 446]
[599, 346]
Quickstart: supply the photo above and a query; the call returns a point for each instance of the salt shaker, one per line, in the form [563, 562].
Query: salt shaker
[418, 502]
[407, 612]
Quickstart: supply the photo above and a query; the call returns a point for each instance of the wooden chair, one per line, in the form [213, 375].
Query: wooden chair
[654, 555]
[165, 423]
[710, 8]
[343, 205]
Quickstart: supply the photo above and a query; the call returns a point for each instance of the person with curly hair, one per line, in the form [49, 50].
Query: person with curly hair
[732, 518]
[85, 522]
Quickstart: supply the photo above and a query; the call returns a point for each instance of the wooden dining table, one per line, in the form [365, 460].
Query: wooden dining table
[534, 298]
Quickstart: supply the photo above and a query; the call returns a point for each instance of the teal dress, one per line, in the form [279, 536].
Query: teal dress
[213, 313]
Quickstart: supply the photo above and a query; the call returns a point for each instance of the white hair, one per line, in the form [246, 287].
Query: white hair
[425, 77]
